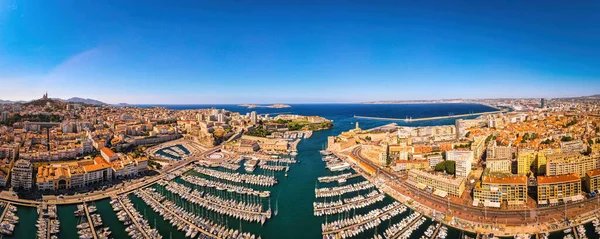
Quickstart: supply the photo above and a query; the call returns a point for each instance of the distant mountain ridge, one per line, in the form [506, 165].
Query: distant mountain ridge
[70, 100]
[83, 100]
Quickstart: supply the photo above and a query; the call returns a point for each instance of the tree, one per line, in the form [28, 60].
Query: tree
[446, 166]
[368, 138]
[441, 166]
[566, 139]
[450, 167]
[468, 134]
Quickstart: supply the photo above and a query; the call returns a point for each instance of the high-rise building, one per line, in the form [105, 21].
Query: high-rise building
[253, 117]
[543, 102]
[4, 116]
[463, 160]
[221, 118]
[526, 159]
[22, 175]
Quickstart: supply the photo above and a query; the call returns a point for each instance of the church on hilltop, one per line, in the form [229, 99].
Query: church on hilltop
[45, 97]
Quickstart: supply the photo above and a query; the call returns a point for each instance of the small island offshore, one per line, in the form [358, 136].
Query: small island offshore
[273, 106]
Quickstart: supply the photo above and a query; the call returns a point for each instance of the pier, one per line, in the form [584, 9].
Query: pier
[133, 219]
[429, 118]
[178, 216]
[407, 227]
[437, 229]
[87, 214]
[5, 211]
[48, 232]
[575, 232]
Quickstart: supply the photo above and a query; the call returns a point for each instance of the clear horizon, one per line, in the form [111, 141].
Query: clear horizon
[234, 52]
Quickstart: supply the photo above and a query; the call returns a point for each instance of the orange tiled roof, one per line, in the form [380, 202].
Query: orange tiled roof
[558, 179]
[505, 180]
[99, 164]
[593, 173]
[108, 152]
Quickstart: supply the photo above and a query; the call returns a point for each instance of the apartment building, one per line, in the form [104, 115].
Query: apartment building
[463, 160]
[553, 189]
[22, 175]
[567, 163]
[529, 159]
[450, 185]
[510, 190]
[592, 180]
[499, 165]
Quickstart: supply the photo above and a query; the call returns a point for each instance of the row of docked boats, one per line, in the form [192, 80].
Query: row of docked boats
[251, 212]
[199, 181]
[136, 226]
[282, 160]
[340, 177]
[335, 207]
[408, 232]
[193, 225]
[47, 224]
[442, 232]
[581, 233]
[277, 168]
[230, 166]
[346, 228]
[7, 226]
[259, 180]
[361, 218]
[80, 212]
[340, 190]
[394, 229]
[596, 224]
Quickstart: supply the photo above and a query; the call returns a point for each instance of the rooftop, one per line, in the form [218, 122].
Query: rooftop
[558, 179]
[515, 179]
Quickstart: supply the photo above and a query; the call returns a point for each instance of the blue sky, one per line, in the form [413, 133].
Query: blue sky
[297, 51]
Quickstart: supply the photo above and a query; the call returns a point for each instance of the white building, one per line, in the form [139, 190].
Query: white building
[463, 160]
[253, 117]
[434, 160]
[22, 175]
[108, 154]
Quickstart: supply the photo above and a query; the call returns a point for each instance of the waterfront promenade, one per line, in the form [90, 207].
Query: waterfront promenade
[429, 118]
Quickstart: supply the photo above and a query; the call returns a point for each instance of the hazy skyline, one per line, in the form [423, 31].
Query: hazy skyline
[297, 51]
